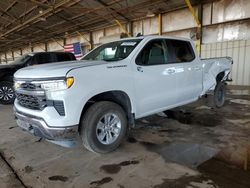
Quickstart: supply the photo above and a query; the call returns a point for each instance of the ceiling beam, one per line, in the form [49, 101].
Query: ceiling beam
[34, 18]
[112, 10]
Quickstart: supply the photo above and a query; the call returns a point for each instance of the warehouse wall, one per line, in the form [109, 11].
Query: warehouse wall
[224, 20]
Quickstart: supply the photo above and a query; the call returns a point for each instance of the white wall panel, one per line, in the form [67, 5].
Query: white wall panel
[226, 10]
[39, 48]
[206, 18]
[26, 50]
[3, 61]
[226, 32]
[9, 57]
[113, 30]
[150, 26]
[97, 35]
[137, 27]
[240, 52]
[78, 38]
[183, 33]
[17, 54]
[55, 46]
[177, 20]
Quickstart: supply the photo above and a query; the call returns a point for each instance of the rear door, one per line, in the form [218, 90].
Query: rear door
[188, 70]
[155, 82]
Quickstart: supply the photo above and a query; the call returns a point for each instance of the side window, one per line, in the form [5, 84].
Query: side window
[43, 58]
[182, 51]
[107, 53]
[154, 53]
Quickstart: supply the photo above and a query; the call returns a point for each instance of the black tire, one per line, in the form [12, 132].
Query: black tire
[88, 127]
[7, 94]
[219, 94]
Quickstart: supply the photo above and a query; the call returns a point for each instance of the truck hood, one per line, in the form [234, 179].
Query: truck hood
[53, 70]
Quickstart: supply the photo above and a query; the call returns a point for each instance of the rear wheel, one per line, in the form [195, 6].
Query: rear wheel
[7, 94]
[103, 127]
[219, 94]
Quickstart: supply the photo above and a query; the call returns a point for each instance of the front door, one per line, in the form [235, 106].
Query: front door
[155, 81]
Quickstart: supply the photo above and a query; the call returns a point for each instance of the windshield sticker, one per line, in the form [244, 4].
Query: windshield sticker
[128, 44]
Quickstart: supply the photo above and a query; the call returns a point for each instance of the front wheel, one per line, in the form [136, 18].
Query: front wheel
[103, 127]
[219, 94]
[7, 94]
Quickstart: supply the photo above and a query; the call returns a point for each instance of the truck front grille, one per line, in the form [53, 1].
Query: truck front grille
[31, 96]
[29, 86]
[32, 102]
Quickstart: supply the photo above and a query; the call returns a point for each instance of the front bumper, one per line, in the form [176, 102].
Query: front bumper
[38, 127]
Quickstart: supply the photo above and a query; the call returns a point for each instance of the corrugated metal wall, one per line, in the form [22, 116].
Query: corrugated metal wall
[240, 52]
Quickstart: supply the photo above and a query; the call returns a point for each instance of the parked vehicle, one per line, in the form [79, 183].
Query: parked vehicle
[7, 95]
[100, 97]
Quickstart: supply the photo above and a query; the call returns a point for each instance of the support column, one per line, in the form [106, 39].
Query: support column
[13, 57]
[160, 24]
[6, 61]
[91, 40]
[197, 20]
[130, 28]
[46, 46]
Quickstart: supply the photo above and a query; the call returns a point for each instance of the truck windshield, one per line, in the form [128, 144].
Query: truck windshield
[22, 60]
[113, 51]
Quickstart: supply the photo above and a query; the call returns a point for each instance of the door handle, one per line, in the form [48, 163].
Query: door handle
[139, 69]
[197, 68]
[171, 71]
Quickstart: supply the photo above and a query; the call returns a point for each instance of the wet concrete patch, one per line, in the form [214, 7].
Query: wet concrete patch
[120, 186]
[115, 168]
[131, 139]
[225, 175]
[58, 178]
[168, 130]
[188, 154]
[28, 169]
[187, 181]
[101, 182]
[214, 174]
[39, 140]
[182, 117]
[149, 145]
[206, 120]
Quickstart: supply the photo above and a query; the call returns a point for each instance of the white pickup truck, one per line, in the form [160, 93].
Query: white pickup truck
[100, 97]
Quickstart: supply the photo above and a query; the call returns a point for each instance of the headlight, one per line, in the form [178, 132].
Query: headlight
[16, 85]
[56, 85]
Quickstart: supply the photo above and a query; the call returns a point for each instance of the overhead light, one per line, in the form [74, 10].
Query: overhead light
[40, 11]
[150, 14]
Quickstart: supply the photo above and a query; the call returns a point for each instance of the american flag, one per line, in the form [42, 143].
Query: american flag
[74, 48]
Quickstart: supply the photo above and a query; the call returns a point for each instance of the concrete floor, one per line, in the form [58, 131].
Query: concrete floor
[196, 146]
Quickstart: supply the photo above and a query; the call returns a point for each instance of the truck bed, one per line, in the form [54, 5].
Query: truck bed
[211, 68]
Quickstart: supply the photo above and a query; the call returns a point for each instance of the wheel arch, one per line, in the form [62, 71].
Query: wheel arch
[220, 76]
[117, 96]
